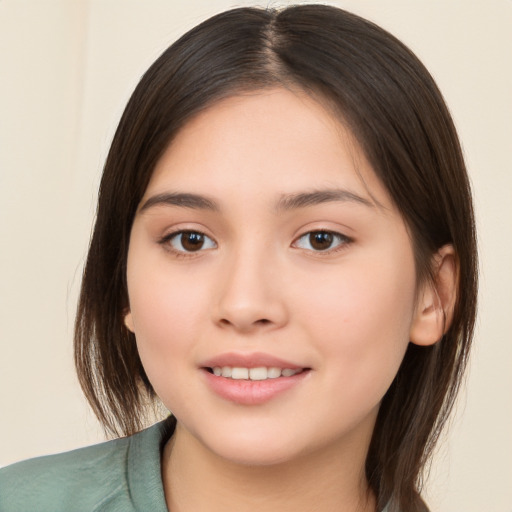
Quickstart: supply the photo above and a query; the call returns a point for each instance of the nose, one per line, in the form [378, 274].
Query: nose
[251, 294]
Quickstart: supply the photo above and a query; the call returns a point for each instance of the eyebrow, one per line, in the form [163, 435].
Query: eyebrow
[285, 203]
[305, 199]
[185, 200]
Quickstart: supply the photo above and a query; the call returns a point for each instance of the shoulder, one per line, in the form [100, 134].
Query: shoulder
[60, 482]
[88, 479]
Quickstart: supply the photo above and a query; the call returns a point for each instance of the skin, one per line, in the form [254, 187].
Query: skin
[346, 313]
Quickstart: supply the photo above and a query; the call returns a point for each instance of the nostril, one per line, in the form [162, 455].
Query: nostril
[261, 321]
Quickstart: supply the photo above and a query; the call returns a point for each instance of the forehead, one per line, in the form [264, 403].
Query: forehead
[275, 140]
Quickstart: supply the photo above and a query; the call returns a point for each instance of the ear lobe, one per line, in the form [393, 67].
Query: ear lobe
[436, 301]
[128, 320]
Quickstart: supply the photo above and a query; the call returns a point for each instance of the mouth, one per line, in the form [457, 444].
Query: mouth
[253, 379]
[260, 373]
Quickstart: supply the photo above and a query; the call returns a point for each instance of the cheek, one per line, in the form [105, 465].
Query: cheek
[166, 317]
[166, 311]
[360, 318]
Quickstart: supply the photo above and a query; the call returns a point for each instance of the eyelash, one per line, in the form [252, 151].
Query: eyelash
[339, 239]
[167, 240]
[342, 241]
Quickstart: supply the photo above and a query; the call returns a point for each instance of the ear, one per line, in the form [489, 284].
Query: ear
[128, 320]
[436, 300]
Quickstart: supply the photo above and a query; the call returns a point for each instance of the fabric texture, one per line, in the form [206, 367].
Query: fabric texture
[123, 475]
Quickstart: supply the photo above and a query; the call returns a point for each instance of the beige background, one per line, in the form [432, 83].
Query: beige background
[67, 68]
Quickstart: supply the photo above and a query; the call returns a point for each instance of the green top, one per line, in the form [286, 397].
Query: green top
[123, 475]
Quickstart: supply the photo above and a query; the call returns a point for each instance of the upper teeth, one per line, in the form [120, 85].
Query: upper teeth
[260, 373]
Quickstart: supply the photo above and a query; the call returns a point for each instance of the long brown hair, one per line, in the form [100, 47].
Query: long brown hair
[393, 107]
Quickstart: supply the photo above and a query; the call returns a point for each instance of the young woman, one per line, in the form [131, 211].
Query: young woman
[284, 255]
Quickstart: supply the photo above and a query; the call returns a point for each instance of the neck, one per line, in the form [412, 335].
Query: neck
[197, 479]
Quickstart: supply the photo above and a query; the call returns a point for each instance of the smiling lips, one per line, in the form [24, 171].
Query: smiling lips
[251, 379]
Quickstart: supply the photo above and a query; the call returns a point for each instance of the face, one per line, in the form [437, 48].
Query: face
[271, 281]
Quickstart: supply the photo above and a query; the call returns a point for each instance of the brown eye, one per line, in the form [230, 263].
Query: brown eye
[190, 241]
[321, 241]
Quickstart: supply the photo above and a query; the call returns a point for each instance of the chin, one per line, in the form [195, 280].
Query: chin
[259, 449]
